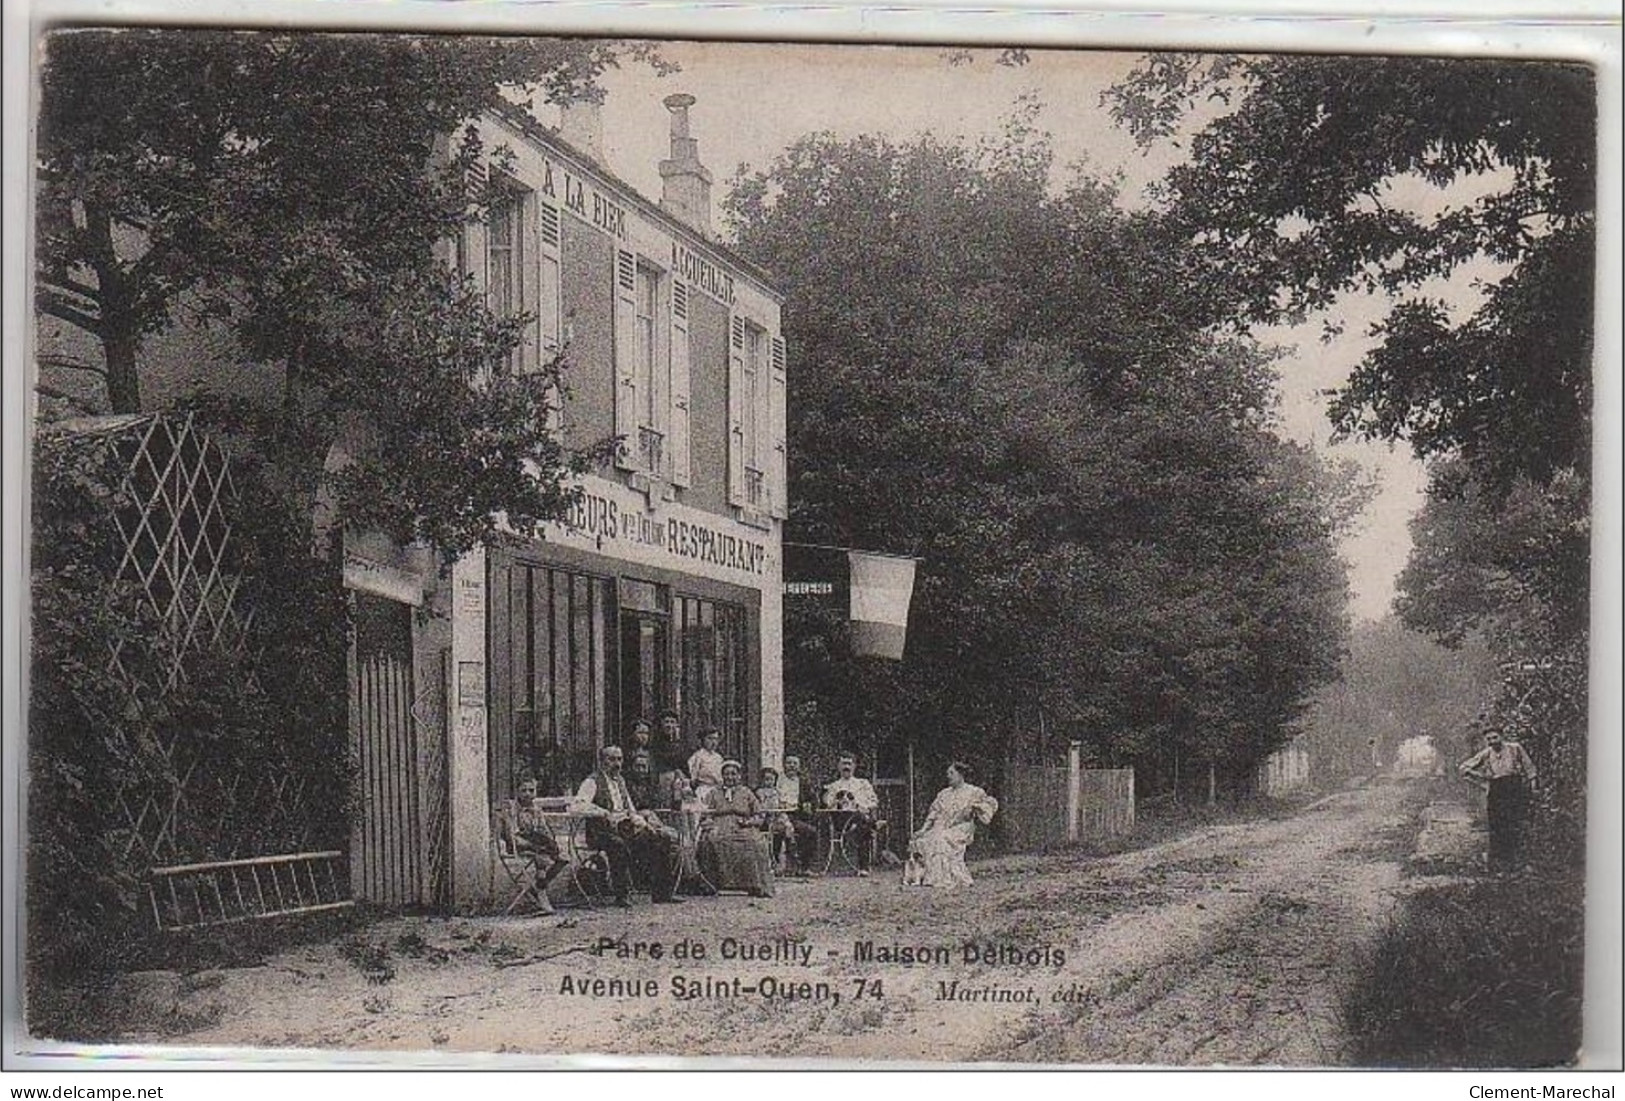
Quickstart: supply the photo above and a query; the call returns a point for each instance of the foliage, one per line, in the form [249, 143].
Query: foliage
[1481, 974]
[1006, 383]
[294, 189]
[1325, 175]
[1317, 177]
[1396, 683]
[1505, 565]
[1513, 571]
[100, 736]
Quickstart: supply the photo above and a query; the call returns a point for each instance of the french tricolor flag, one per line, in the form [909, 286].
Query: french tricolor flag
[882, 586]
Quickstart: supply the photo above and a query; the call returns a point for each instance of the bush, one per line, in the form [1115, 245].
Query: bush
[235, 730]
[1482, 974]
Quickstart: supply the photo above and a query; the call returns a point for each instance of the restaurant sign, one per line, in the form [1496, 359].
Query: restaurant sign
[602, 518]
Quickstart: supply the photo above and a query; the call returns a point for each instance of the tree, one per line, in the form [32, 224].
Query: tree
[293, 189]
[1325, 176]
[1317, 179]
[1005, 381]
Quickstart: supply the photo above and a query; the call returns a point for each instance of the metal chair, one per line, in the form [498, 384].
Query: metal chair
[583, 862]
[842, 840]
[519, 878]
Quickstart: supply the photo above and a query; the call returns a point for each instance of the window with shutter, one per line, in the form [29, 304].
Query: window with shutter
[549, 304]
[778, 467]
[509, 285]
[737, 494]
[470, 245]
[678, 440]
[548, 282]
[626, 358]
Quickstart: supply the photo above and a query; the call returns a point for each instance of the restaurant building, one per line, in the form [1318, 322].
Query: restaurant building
[661, 591]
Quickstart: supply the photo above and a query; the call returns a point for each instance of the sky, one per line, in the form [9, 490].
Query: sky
[754, 100]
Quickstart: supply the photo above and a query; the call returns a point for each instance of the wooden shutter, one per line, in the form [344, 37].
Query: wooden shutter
[677, 445]
[547, 281]
[473, 243]
[549, 309]
[626, 353]
[778, 469]
[737, 492]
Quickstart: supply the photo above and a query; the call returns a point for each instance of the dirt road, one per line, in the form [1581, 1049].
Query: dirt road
[1229, 946]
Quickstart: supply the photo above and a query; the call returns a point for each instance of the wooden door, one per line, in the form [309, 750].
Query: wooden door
[386, 851]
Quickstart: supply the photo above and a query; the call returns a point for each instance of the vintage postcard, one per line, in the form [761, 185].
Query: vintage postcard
[820, 554]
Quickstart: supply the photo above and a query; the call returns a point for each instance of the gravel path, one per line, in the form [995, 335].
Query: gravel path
[1232, 945]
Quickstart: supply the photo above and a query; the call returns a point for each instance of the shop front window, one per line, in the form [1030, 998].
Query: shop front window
[712, 673]
[553, 661]
[645, 652]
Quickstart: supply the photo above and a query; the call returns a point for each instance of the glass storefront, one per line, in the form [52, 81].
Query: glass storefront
[712, 671]
[576, 656]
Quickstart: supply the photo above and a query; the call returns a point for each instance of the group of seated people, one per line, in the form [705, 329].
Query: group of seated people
[639, 813]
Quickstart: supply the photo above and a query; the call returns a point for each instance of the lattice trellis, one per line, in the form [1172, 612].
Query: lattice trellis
[173, 514]
[176, 528]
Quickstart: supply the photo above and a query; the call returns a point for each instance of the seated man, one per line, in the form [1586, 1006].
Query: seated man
[857, 807]
[615, 828]
[642, 782]
[531, 837]
[797, 805]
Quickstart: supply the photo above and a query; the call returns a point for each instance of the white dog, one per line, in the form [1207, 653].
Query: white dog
[914, 871]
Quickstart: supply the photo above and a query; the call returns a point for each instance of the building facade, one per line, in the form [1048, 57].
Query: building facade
[661, 591]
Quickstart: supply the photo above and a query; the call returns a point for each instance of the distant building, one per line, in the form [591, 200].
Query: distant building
[1418, 757]
[1284, 771]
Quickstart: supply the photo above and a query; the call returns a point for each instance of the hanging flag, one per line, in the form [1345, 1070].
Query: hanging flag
[882, 586]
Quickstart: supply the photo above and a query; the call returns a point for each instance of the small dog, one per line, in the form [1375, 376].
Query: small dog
[914, 871]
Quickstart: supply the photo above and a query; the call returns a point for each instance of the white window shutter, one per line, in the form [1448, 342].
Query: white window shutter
[677, 445]
[778, 495]
[474, 234]
[626, 351]
[473, 254]
[547, 281]
[737, 492]
[549, 309]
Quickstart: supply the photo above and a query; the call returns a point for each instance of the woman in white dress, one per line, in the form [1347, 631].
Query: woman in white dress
[705, 764]
[937, 849]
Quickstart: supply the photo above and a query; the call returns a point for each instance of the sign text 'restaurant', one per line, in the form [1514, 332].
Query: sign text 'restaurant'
[601, 518]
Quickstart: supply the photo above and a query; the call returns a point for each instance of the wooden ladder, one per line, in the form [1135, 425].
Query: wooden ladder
[193, 896]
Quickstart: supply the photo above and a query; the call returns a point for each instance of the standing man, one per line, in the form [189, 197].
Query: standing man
[1507, 773]
[797, 806]
[615, 828]
[855, 797]
[669, 748]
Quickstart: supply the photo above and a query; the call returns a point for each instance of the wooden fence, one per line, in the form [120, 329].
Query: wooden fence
[1038, 805]
[1284, 771]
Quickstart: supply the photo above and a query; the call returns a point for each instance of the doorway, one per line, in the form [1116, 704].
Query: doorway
[645, 654]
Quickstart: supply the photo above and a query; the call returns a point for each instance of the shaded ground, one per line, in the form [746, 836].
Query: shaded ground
[1236, 944]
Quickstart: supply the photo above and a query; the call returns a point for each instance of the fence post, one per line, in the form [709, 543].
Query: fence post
[1074, 779]
[911, 788]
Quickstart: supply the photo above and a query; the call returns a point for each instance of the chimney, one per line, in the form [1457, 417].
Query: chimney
[687, 185]
[581, 123]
